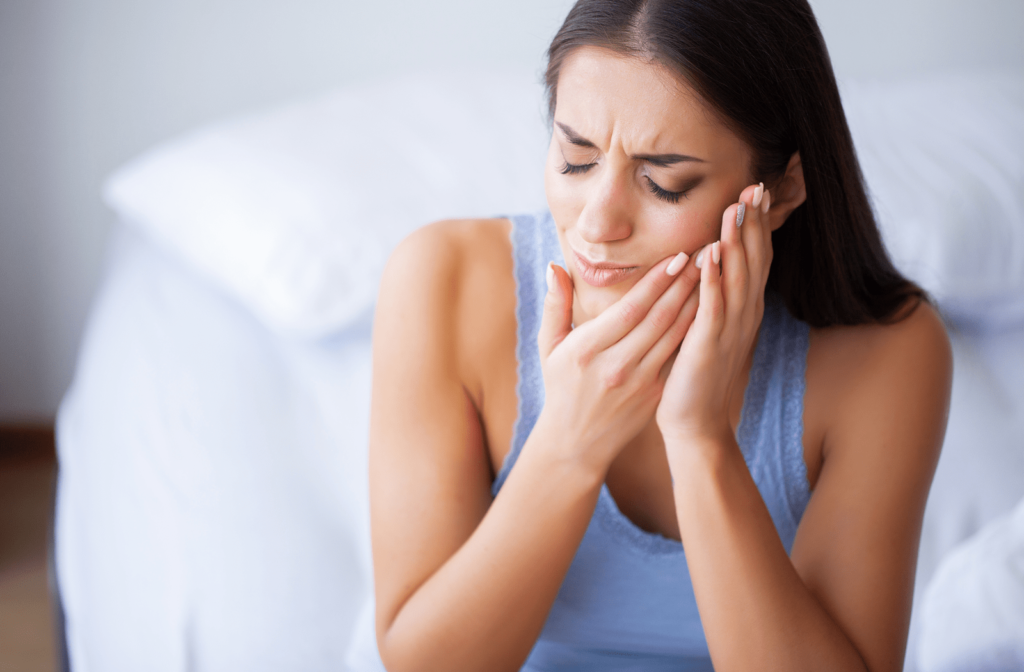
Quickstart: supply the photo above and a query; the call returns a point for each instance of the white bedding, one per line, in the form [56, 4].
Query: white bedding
[980, 477]
[287, 210]
[973, 610]
[212, 499]
[212, 504]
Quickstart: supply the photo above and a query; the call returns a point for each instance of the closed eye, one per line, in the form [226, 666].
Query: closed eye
[663, 194]
[575, 169]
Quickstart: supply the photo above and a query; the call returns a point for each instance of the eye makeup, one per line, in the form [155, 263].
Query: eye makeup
[574, 168]
[663, 194]
[655, 188]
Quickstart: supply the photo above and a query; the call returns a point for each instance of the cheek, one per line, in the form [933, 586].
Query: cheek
[685, 231]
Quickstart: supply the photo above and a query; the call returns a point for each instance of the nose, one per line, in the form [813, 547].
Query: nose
[606, 215]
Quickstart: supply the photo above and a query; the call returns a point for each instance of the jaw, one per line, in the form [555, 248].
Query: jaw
[589, 302]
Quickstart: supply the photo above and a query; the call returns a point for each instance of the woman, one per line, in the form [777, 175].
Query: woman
[708, 437]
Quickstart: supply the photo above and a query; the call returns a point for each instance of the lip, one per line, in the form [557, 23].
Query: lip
[602, 273]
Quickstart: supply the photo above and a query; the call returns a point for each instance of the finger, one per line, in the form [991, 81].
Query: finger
[735, 274]
[656, 357]
[622, 316]
[767, 229]
[556, 319]
[756, 234]
[660, 318]
[710, 313]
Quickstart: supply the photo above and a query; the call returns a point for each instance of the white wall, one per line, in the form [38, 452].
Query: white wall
[898, 38]
[86, 85]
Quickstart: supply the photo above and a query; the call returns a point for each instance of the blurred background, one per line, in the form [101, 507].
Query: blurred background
[86, 86]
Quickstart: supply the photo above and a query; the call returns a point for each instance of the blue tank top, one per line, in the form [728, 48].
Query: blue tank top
[627, 602]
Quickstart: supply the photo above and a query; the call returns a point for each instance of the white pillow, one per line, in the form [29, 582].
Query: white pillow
[979, 475]
[943, 158]
[973, 611]
[295, 210]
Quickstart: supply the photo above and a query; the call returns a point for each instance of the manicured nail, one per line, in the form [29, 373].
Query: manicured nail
[677, 264]
[767, 202]
[716, 252]
[758, 193]
[550, 275]
[740, 211]
[700, 259]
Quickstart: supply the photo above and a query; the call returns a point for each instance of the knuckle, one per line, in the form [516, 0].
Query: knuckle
[661, 318]
[614, 376]
[743, 284]
[584, 357]
[717, 309]
[680, 327]
[630, 313]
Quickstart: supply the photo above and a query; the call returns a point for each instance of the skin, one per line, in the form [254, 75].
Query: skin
[646, 389]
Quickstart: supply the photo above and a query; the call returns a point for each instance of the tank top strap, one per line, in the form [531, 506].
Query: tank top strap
[771, 428]
[534, 245]
[770, 433]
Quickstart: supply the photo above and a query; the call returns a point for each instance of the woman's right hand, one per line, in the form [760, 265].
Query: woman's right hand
[603, 379]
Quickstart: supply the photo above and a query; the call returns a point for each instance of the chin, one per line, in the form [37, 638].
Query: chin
[592, 301]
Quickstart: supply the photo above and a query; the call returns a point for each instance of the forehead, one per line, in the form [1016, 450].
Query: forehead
[607, 97]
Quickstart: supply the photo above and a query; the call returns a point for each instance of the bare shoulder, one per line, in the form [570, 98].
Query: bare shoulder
[920, 328]
[453, 279]
[430, 470]
[914, 349]
[873, 372]
[877, 399]
[440, 252]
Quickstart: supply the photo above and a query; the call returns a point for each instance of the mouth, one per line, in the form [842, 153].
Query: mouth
[601, 274]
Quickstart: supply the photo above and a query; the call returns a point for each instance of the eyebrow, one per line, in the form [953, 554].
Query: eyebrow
[657, 159]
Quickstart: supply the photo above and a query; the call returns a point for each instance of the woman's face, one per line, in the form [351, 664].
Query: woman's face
[638, 169]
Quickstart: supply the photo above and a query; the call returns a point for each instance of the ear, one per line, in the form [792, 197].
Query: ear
[788, 193]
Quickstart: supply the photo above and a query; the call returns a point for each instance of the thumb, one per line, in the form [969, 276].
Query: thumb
[556, 321]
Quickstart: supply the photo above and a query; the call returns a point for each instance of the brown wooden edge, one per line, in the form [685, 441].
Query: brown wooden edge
[27, 441]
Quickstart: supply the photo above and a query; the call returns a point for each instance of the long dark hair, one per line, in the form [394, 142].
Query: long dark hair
[763, 65]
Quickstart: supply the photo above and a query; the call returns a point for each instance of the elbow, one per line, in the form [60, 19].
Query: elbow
[398, 653]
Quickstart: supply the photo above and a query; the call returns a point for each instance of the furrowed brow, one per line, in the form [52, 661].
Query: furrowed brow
[655, 159]
[667, 159]
[573, 137]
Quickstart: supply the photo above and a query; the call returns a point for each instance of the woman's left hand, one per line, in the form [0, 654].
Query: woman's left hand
[694, 405]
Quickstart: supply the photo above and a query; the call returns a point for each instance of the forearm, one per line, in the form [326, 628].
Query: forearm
[485, 607]
[756, 611]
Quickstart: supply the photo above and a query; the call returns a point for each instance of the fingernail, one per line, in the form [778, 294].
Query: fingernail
[740, 211]
[550, 275]
[716, 252]
[677, 264]
[700, 259]
[767, 202]
[758, 193]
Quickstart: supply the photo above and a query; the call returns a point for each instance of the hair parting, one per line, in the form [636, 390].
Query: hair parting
[762, 65]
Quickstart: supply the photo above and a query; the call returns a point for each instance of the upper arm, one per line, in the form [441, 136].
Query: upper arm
[856, 548]
[429, 470]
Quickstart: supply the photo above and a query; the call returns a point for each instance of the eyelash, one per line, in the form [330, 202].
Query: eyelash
[575, 169]
[663, 194]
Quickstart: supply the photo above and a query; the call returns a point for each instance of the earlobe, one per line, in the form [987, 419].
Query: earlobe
[789, 193]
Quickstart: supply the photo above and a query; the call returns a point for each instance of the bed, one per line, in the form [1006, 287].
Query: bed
[212, 499]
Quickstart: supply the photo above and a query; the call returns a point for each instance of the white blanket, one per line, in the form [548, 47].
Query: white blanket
[973, 612]
[211, 510]
[212, 505]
